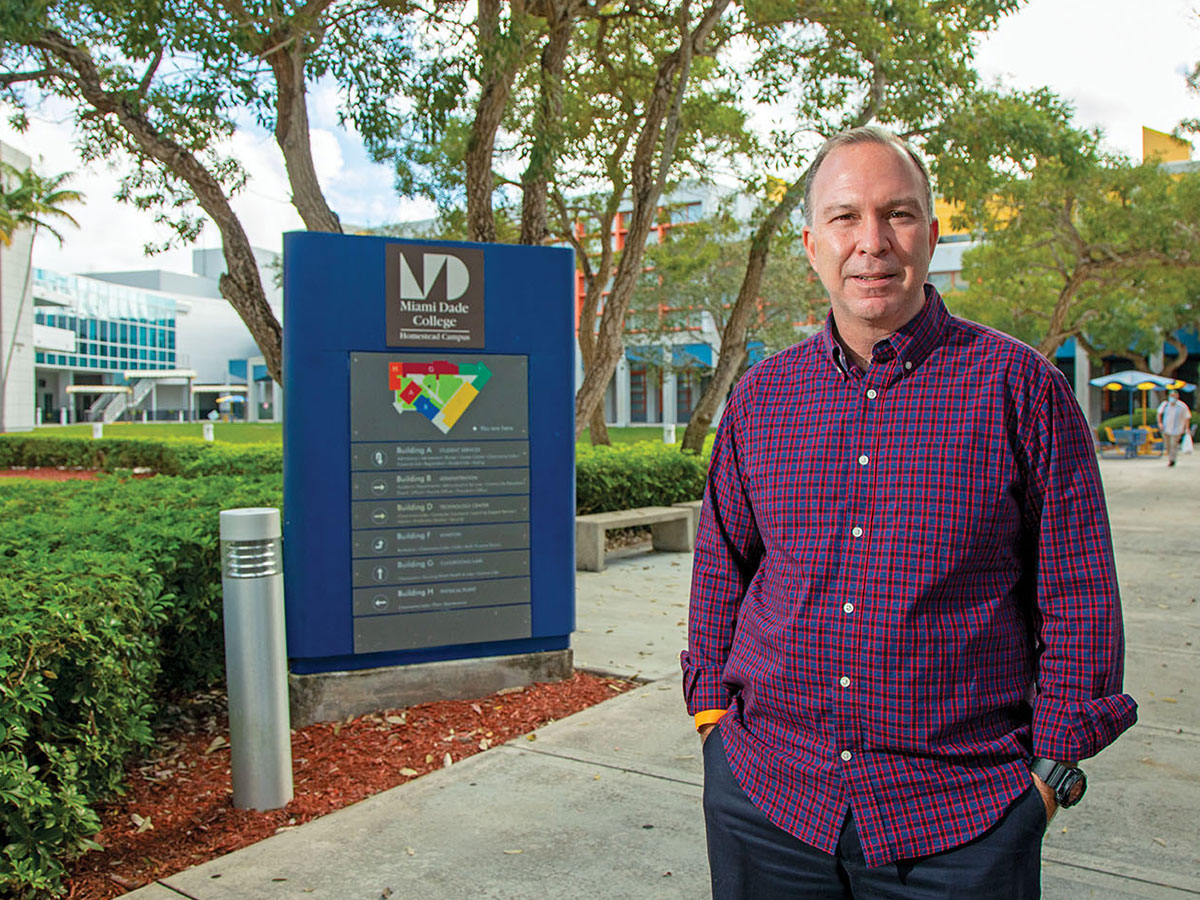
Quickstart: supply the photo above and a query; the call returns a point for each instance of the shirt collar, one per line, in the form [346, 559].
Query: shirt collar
[915, 340]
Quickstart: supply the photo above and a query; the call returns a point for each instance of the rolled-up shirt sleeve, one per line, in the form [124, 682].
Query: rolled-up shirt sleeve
[1079, 707]
[728, 548]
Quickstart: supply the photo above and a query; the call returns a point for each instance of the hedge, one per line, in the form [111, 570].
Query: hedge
[77, 663]
[631, 475]
[110, 597]
[619, 477]
[189, 457]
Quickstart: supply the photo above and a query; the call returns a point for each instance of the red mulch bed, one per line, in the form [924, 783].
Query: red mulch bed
[177, 811]
[48, 474]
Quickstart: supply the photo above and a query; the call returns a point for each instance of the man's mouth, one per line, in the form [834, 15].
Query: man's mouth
[874, 279]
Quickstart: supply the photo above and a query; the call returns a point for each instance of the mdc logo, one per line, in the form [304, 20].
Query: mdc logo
[434, 296]
[458, 278]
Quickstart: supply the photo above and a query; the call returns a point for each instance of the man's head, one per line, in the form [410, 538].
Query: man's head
[1173, 395]
[869, 230]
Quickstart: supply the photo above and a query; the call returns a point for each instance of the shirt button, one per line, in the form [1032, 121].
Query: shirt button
[847, 755]
[908, 365]
[856, 531]
[872, 394]
[848, 607]
[844, 681]
[863, 460]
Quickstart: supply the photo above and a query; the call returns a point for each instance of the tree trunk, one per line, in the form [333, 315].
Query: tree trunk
[733, 339]
[598, 429]
[498, 68]
[547, 130]
[292, 134]
[660, 131]
[241, 285]
[594, 280]
[1181, 349]
[1056, 329]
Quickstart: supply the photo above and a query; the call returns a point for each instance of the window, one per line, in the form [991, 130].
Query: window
[637, 393]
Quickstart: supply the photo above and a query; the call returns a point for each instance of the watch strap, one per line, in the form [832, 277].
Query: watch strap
[1060, 778]
[1047, 769]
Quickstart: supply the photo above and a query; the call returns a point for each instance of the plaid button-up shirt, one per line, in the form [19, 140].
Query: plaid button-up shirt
[904, 586]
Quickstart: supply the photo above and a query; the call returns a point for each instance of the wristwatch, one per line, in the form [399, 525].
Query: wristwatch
[1068, 782]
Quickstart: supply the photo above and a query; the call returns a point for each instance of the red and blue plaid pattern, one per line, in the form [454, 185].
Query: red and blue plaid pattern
[904, 586]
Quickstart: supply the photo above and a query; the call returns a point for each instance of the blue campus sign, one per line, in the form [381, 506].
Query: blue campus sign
[426, 383]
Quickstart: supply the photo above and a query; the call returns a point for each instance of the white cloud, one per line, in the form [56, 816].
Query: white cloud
[327, 155]
[1121, 64]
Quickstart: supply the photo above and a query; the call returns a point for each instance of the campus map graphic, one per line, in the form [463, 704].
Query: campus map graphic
[440, 391]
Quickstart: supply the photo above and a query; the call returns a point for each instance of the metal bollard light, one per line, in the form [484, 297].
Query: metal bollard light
[256, 658]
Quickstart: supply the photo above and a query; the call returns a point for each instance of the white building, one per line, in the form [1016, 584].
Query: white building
[147, 345]
[16, 321]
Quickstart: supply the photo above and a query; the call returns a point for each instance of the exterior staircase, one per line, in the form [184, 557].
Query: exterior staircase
[121, 402]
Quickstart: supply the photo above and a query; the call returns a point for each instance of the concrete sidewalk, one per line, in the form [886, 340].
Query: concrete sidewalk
[606, 803]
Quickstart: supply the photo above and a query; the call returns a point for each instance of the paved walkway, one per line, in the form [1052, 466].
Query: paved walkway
[606, 803]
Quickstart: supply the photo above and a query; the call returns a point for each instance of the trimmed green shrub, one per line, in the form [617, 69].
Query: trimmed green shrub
[632, 475]
[77, 662]
[171, 524]
[110, 596]
[174, 456]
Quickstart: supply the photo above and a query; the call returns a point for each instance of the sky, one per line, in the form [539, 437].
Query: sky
[1121, 63]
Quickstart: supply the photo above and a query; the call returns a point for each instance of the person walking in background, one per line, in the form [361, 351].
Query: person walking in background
[1174, 420]
[905, 628]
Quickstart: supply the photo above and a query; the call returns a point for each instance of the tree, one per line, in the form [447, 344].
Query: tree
[1103, 251]
[599, 118]
[903, 64]
[164, 83]
[696, 272]
[29, 200]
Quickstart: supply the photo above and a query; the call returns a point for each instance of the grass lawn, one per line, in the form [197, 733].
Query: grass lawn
[272, 432]
[224, 432]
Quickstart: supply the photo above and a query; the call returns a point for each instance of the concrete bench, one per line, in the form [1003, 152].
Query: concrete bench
[693, 507]
[670, 528]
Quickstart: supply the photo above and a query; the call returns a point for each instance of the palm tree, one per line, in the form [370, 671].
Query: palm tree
[28, 200]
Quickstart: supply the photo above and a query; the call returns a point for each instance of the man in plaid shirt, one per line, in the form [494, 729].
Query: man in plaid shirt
[905, 629]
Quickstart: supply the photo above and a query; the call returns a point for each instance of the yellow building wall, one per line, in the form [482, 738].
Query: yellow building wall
[1164, 147]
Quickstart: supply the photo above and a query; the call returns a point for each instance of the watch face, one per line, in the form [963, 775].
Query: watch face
[1072, 789]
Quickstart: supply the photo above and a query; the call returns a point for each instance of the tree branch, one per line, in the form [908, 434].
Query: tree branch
[10, 78]
[144, 84]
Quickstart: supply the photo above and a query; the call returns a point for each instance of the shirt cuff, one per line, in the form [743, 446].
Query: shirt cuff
[1073, 731]
[707, 717]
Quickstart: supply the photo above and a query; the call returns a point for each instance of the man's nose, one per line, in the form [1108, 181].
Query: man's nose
[874, 235]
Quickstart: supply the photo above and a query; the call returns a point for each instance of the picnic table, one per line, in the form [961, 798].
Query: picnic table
[1130, 439]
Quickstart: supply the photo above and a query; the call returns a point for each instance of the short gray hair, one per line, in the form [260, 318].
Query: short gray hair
[865, 134]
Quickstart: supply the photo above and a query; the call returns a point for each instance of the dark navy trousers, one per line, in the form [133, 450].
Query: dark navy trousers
[750, 858]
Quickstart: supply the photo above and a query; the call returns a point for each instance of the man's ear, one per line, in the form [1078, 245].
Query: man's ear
[809, 239]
